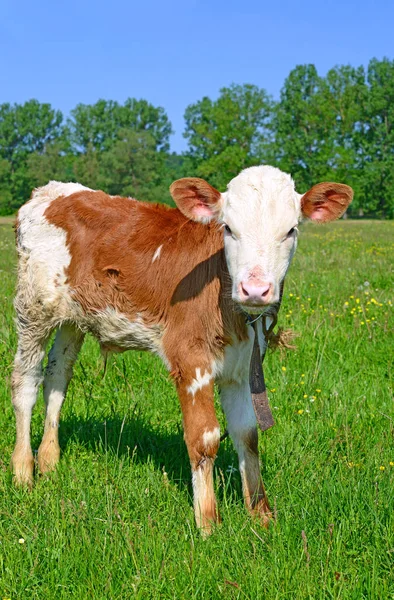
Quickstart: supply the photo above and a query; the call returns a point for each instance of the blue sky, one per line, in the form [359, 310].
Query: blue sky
[173, 53]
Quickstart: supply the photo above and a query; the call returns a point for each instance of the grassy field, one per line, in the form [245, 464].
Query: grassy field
[116, 520]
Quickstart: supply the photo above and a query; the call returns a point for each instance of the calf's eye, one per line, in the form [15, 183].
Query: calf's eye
[292, 230]
[228, 230]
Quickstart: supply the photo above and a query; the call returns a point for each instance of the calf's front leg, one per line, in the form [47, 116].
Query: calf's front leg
[202, 437]
[241, 424]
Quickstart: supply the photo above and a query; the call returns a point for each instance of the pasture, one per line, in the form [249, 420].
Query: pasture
[116, 519]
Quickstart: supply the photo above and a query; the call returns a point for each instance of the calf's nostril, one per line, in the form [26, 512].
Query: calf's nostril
[244, 290]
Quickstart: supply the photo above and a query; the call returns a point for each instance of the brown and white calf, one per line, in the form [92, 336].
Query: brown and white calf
[177, 282]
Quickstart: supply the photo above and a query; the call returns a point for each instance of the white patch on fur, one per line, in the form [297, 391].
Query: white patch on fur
[202, 493]
[211, 438]
[260, 206]
[236, 362]
[199, 381]
[199, 491]
[112, 328]
[235, 393]
[42, 247]
[157, 253]
[236, 401]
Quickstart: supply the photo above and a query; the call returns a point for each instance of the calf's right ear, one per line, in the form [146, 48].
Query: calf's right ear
[196, 199]
[326, 201]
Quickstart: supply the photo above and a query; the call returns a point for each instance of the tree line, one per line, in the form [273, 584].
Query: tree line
[334, 128]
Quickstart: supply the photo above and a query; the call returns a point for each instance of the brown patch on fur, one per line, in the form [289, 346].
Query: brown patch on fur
[326, 201]
[198, 416]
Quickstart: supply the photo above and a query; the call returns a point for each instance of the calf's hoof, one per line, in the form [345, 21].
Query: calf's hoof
[22, 466]
[262, 512]
[48, 456]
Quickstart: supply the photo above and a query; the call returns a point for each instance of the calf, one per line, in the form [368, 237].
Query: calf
[178, 282]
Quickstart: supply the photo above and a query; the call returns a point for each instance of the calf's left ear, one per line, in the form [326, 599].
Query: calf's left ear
[326, 201]
[196, 198]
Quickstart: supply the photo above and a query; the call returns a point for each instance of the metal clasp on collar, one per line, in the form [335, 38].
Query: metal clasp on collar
[249, 319]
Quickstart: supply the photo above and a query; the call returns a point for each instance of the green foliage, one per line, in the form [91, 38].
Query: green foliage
[133, 166]
[376, 141]
[97, 126]
[55, 162]
[5, 187]
[315, 123]
[121, 148]
[24, 129]
[27, 128]
[334, 128]
[227, 135]
[116, 519]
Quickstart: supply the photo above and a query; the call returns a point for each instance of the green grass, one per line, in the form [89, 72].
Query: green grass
[116, 521]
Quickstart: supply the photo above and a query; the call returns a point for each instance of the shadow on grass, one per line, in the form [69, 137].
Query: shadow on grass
[144, 442]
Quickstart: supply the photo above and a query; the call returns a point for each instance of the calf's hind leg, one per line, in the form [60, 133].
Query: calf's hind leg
[61, 359]
[26, 378]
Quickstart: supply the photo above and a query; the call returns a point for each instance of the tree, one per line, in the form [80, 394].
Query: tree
[5, 187]
[133, 166]
[97, 126]
[121, 148]
[55, 162]
[228, 134]
[25, 129]
[375, 141]
[303, 128]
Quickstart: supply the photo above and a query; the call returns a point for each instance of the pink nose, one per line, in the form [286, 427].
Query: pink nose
[255, 292]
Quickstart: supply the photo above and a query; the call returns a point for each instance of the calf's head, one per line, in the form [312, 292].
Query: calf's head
[259, 214]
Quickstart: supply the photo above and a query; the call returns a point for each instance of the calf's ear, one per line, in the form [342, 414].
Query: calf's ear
[326, 201]
[197, 199]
